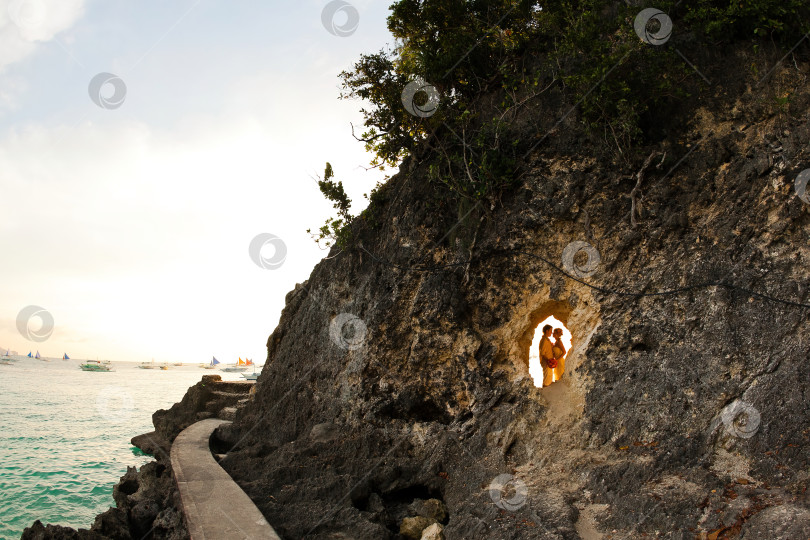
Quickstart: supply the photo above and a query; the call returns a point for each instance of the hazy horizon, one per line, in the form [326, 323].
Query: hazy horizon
[228, 361]
[128, 214]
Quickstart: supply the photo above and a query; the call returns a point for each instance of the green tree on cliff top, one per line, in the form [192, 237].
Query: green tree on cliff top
[515, 50]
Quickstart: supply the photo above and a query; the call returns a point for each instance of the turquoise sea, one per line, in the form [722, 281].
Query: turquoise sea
[64, 435]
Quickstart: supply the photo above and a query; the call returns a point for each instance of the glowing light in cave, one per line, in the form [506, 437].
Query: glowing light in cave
[535, 370]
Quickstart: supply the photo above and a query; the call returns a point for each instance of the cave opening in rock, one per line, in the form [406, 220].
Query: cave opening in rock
[535, 369]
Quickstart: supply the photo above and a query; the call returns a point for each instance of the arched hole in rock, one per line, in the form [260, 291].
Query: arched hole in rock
[535, 370]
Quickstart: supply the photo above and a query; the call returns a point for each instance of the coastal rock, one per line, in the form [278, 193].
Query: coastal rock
[412, 527]
[126, 486]
[38, 531]
[788, 521]
[146, 499]
[431, 508]
[433, 532]
[206, 399]
[323, 432]
[152, 443]
[142, 514]
[683, 408]
[113, 524]
[674, 408]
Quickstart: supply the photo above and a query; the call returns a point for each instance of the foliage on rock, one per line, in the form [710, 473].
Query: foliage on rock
[517, 50]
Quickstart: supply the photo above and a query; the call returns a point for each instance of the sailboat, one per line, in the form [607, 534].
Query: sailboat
[240, 366]
[38, 357]
[65, 357]
[212, 365]
[30, 355]
[5, 359]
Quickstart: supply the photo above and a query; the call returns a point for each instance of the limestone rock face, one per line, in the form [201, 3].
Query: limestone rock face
[786, 521]
[398, 370]
[398, 373]
[434, 532]
[432, 508]
[38, 531]
[412, 527]
[324, 432]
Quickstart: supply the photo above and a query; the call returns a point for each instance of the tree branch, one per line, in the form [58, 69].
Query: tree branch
[635, 194]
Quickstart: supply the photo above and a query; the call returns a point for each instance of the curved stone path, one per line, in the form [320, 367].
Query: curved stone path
[214, 506]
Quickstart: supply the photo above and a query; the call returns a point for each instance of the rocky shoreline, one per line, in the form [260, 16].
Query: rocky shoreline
[396, 385]
[147, 504]
[398, 370]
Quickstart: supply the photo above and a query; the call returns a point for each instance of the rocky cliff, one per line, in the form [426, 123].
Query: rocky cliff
[398, 372]
[396, 400]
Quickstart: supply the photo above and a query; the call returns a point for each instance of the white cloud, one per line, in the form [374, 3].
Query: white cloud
[132, 226]
[126, 232]
[12, 88]
[24, 23]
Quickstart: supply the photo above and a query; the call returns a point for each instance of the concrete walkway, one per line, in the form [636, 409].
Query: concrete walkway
[214, 506]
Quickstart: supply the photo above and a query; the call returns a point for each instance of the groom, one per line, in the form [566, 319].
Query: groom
[547, 356]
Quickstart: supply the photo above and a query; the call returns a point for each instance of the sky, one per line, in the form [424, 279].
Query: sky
[144, 145]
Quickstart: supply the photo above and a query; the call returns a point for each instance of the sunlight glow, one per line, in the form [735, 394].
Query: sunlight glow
[535, 370]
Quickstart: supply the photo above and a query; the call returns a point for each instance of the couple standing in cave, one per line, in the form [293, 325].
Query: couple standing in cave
[552, 355]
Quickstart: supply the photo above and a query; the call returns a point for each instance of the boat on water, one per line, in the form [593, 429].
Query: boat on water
[148, 365]
[241, 365]
[212, 365]
[5, 360]
[96, 365]
[251, 376]
[164, 366]
[38, 357]
[232, 369]
[30, 355]
[65, 356]
[178, 364]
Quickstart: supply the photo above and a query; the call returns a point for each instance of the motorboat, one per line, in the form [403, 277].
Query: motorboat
[96, 365]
